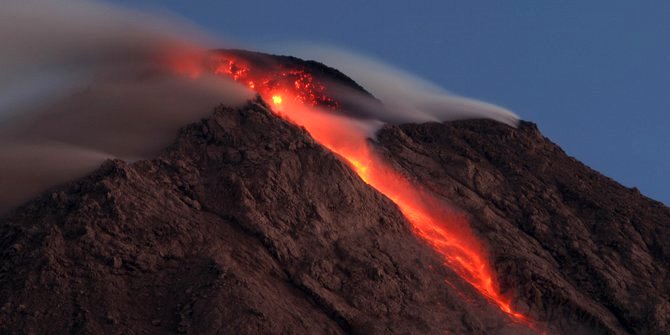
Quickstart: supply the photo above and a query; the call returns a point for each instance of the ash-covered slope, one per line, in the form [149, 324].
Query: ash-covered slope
[577, 249]
[245, 225]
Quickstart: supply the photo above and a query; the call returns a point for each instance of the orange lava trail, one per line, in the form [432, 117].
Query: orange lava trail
[295, 96]
[445, 231]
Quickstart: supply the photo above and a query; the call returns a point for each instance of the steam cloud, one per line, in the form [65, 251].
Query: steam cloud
[406, 98]
[81, 82]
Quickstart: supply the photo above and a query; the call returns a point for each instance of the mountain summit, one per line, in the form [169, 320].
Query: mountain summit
[248, 224]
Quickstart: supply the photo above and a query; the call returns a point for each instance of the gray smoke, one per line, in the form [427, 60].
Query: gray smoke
[84, 81]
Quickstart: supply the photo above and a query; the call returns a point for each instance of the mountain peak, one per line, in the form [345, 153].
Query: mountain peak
[246, 224]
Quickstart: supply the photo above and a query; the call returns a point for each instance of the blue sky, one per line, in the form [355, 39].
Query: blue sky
[594, 75]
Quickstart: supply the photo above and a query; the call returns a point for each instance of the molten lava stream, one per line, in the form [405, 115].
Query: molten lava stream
[445, 231]
[294, 95]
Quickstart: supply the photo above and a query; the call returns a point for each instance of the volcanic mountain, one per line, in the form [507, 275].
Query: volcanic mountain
[249, 223]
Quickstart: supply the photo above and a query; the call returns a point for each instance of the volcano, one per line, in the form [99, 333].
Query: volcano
[267, 219]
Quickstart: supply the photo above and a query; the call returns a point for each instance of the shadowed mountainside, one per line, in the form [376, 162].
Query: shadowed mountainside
[570, 243]
[246, 225]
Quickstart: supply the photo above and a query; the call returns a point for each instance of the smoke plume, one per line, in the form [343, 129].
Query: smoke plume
[84, 81]
[406, 98]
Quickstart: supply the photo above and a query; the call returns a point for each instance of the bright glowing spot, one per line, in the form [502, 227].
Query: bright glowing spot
[276, 99]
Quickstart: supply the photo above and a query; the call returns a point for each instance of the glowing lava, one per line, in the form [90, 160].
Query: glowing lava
[446, 231]
[276, 99]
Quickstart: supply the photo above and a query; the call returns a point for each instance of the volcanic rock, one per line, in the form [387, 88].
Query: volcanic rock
[245, 225]
[578, 250]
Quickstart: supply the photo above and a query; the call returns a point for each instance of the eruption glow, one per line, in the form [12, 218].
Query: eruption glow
[276, 99]
[299, 98]
[118, 103]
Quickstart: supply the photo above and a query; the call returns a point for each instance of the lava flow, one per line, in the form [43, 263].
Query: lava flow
[295, 95]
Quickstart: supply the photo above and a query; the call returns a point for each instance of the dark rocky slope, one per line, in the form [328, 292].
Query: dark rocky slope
[577, 249]
[244, 225]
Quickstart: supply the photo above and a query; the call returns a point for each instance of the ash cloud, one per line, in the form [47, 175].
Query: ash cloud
[406, 98]
[84, 81]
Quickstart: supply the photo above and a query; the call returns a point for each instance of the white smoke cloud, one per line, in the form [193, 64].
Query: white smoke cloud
[406, 98]
[84, 81]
